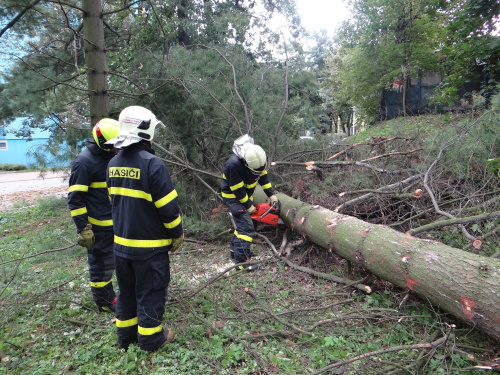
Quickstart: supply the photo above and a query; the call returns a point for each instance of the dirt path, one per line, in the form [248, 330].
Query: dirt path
[25, 188]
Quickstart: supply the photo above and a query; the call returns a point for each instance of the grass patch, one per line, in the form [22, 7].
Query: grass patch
[7, 167]
[276, 320]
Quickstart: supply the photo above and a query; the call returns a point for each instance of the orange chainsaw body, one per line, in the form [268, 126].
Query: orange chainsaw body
[265, 213]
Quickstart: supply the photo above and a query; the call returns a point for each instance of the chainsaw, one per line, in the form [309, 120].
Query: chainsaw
[266, 213]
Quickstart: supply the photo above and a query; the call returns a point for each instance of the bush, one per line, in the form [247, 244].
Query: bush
[12, 167]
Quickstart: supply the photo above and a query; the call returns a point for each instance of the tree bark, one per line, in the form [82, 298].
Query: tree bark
[182, 35]
[405, 90]
[463, 284]
[95, 59]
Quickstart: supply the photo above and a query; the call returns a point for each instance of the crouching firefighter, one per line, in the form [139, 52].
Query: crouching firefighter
[242, 172]
[90, 209]
[147, 225]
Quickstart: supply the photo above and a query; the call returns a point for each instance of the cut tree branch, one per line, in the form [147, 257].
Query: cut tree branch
[397, 185]
[432, 345]
[453, 221]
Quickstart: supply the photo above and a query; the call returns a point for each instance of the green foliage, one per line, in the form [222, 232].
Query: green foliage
[466, 142]
[193, 89]
[52, 205]
[12, 167]
[388, 40]
[475, 17]
[493, 166]
[385, 41]
[213, 94]
[447, 96]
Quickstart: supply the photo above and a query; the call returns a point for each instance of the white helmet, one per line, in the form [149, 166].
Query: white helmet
[136, 123]
[254, 157]
[240, 142]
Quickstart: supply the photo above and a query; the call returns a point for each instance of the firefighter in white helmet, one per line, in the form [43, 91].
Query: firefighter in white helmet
[90, 209]
[242, 172]
[147, 224]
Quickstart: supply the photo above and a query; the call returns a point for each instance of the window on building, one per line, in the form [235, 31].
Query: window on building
[3, 145]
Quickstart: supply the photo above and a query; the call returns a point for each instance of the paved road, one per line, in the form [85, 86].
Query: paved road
[13, 182]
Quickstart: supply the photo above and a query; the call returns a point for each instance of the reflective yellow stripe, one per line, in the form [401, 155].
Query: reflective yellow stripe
[149, 331]
[263, 173]
[224, 176]
[226, 195]
[249, 186]
[99, 284]
[78, 188]
[244, 199]
[98, 185]
[130, 193]
[243, 237]
[237, 186]
[78, 211]
[102, 223]
[127, 323]
[166, 199]
[142, 243]
[172, 224]
[267, 186]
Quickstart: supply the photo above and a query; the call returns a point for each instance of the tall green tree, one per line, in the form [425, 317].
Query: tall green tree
[138, 36]
[385, 41]
[471, 49]
[206, 68]
[389, 40]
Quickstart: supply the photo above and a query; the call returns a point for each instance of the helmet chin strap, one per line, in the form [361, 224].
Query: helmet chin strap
[255, 171]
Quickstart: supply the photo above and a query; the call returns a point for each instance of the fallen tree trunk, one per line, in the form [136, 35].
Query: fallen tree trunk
[464, 284]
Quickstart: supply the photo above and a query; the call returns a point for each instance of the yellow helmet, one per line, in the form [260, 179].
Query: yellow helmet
[105, 130]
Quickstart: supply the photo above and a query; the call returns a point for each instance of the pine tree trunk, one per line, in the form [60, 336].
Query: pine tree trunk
[95, 59]
[405, 91]
[461, 283]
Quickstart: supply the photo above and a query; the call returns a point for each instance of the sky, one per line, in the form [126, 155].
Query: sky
[316, 16]
[326, 14]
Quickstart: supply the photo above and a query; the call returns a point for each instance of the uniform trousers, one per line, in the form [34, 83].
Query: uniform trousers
[141, 303]
[244, 232]
[101, 262]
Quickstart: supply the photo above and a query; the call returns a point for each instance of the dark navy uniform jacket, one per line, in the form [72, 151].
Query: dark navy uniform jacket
[146, 214]
[88, 198]
[239, 182]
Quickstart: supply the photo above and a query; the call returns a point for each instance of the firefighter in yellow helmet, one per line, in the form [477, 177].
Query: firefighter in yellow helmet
[147, 224]
[90, 209]
[242, 172]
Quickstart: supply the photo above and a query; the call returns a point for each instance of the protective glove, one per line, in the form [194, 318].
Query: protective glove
[176, 243]
[86, 237]
[251, 209]
[274, 199]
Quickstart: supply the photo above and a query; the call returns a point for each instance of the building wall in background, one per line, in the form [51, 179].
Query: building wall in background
[13, 150]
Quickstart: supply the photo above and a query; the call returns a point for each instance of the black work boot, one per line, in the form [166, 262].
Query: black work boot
[108, 308]
[169, 337]
[247, 267]
[251, 268]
